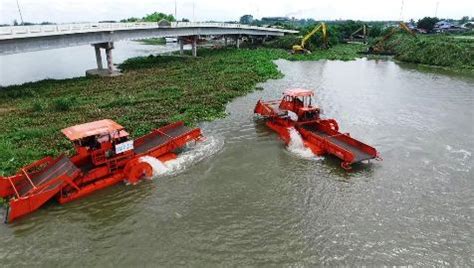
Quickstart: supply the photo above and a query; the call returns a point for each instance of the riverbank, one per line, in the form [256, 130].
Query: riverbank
[435, 50]
[152, 91]
[153, 41]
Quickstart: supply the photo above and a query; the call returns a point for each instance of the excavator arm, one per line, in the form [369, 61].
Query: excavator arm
[321, 27]
[379, 46]
[363, 29]
[313, 32]
[404, 27]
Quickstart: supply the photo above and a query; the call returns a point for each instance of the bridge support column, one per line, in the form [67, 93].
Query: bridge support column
[108, 54]
[237, 41]
[100, 71]
[181, 46]
[98, 57]
[194, 46]
[225, 41]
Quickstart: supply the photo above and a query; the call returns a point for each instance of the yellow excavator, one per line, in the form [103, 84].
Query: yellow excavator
[379, 47]
[301, 47]
[360, 33]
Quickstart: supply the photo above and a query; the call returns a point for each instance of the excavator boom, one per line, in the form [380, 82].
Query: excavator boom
[379, 46]
[321, 27]
[308, 36]
[404, 27]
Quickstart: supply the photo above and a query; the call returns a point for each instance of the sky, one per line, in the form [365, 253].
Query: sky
[62, 11]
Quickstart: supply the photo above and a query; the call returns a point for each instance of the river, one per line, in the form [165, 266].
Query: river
[243, 199]
[69, 62]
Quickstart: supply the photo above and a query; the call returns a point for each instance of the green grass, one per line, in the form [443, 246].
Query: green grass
[152, 91]
[436, 50]
[153, 41]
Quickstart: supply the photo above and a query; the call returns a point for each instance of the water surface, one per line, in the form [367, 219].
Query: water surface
[69, 62]
[252, 202]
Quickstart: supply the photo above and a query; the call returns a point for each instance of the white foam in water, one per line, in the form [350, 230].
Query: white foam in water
[192, 154]
[296, 145]
[158, 167]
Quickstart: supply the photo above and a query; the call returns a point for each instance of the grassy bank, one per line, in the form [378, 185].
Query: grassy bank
[438, 50]
[153, 41]
[151, 92]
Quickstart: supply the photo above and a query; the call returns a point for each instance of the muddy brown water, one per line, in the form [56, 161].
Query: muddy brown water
[244, 199]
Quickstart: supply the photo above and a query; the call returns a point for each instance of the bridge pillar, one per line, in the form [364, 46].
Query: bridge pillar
[237, 41]
[181, 46]
[194, 46]
[98, 57]
[225, 41]
[108, 54]
[100, 71]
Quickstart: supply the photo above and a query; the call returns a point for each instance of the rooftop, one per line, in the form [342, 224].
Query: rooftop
[298, 92]
[101, 127]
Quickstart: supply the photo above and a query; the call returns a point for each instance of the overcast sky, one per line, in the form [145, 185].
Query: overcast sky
[220, 10]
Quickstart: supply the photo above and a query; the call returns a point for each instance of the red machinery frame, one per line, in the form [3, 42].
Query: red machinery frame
[97, 163]
[322, 136]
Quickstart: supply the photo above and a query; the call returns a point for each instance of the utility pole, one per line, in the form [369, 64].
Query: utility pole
[436, 10]
[401, 12]
[194, 18]
[19, 11]
[175, 10]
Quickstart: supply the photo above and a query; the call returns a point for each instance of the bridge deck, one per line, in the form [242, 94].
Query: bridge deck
[14, 32]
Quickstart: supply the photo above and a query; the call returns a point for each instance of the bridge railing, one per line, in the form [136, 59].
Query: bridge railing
[8, 32]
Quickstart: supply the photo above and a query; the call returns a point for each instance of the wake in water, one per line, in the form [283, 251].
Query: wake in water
[297, 147]
[192, 154]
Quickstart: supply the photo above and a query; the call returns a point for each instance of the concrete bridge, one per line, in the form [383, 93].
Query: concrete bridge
[20, 39]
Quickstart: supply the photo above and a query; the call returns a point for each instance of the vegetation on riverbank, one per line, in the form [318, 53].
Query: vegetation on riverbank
[152, 91]
[439, 50]
[153, 41]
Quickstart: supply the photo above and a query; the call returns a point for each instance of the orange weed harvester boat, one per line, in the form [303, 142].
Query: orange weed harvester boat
[322, 136]
[105, 155]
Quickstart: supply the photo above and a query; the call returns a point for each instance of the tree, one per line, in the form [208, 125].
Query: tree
[464, 19]
[246, 19]
[132, 19]
[427, 23]
[15, 22]
[184, 20]
[157, 16]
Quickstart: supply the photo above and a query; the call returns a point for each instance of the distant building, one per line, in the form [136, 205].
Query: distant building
[271, 20]
[447, 26]
[468, 25]
[443, 25]
[411, 26]
[246, 19]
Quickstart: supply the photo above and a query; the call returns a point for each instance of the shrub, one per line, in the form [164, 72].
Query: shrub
[64, 104]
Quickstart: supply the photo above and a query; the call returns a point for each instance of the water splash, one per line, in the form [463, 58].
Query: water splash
[192, 154]
[158, 167]
[297, 147]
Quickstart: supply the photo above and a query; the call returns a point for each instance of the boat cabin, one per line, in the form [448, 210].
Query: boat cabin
[299, 101]
[101, 139]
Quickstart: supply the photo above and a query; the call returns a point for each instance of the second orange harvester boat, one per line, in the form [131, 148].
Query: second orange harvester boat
[320, 135]
[105, 155]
